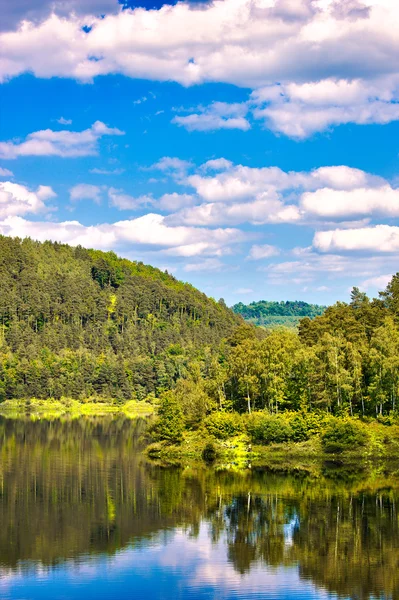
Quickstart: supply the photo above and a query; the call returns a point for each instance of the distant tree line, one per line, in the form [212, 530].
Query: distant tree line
[274, 314]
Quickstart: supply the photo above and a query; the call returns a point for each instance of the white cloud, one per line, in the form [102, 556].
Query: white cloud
[216, 164]
[335, 204]
[310, 266]
[58, 143]
[258, 252]
[175, 201]
[336, 62]
[248, 43]
[260, 211]
[85, 191]
[299, 110]
[208, 264]
[63, 121]
[37, 10]
[6, 173]
[97, 171]
[173, 166]
[148, 230]
[243, 291]
[218, 115]
[379, 282]
[17, 199]
[374, 239]
[123, 201]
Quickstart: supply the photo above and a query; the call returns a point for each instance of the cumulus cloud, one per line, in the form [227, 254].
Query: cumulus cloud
[260, 211]
[122, 201]
[172, 166]
[63, 143]
[299, 110]
[37, 10]
[174, 201]
[379, 282]
[309, 265]
[16, 199]
[218, 115]
[373, 239]
[336, 204]
[150, 230]
[312, 65]
[235, 194]
[216, 164]
[258, 252]
[85, 191]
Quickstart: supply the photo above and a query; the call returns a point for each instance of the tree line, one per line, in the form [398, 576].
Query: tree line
[78, 323]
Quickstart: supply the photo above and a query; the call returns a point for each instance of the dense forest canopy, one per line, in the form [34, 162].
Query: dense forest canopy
[274, 314]
[82, 323]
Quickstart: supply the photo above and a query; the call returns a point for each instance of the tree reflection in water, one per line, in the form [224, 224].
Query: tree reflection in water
[82, 487]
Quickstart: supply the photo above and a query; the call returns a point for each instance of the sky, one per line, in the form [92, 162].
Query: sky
[249, 147]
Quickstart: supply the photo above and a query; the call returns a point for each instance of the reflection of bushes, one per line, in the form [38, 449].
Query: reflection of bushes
[343, 434]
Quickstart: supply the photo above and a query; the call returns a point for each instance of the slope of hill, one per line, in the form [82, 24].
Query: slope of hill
[274, 314]
[79, 322]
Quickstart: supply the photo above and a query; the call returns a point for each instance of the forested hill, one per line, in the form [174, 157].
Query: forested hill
[273, 314]
[79, 322]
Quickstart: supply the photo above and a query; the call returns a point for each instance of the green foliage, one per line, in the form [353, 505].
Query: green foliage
[77, 323]
[274, 314]
[269, 429]
[341, 435]
[169, 426]
[223, 425]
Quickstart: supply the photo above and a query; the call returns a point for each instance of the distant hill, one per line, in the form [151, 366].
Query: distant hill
[78, 322]
[275, 314]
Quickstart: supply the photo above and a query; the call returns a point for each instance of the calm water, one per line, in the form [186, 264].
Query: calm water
[84, 516]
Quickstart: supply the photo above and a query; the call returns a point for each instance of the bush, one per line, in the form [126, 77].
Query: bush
[224, 425]
[169, 426]
[300, 428]
[343, 434]
[269, 429]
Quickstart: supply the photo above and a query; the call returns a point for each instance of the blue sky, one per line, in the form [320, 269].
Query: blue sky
[248, 146]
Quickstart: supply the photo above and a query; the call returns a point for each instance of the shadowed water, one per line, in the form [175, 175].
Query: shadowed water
[84, 515]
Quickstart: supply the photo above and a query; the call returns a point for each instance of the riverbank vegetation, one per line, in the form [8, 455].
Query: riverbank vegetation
[79, 324]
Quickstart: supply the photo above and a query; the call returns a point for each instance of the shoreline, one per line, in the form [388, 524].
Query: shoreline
[69, 408]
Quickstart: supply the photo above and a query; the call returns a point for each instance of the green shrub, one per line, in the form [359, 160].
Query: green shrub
[269, 429]
[224, 425]
[343, 434]
[300, 428]
[169, 426]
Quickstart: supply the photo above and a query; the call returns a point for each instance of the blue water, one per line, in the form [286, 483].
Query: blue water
[83, 515]
[173, 566]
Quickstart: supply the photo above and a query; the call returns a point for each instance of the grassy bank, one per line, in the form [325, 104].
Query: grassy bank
[285, 442]
[66, 407]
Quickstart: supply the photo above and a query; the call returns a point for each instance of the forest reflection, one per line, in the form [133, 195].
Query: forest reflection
[78, 488]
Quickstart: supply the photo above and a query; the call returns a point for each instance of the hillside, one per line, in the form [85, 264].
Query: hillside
[274, 314]
[79, 322]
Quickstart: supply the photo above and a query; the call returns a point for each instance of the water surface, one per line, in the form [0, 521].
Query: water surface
[83, 515]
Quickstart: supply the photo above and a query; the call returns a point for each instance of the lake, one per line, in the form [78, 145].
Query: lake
[85, 516]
